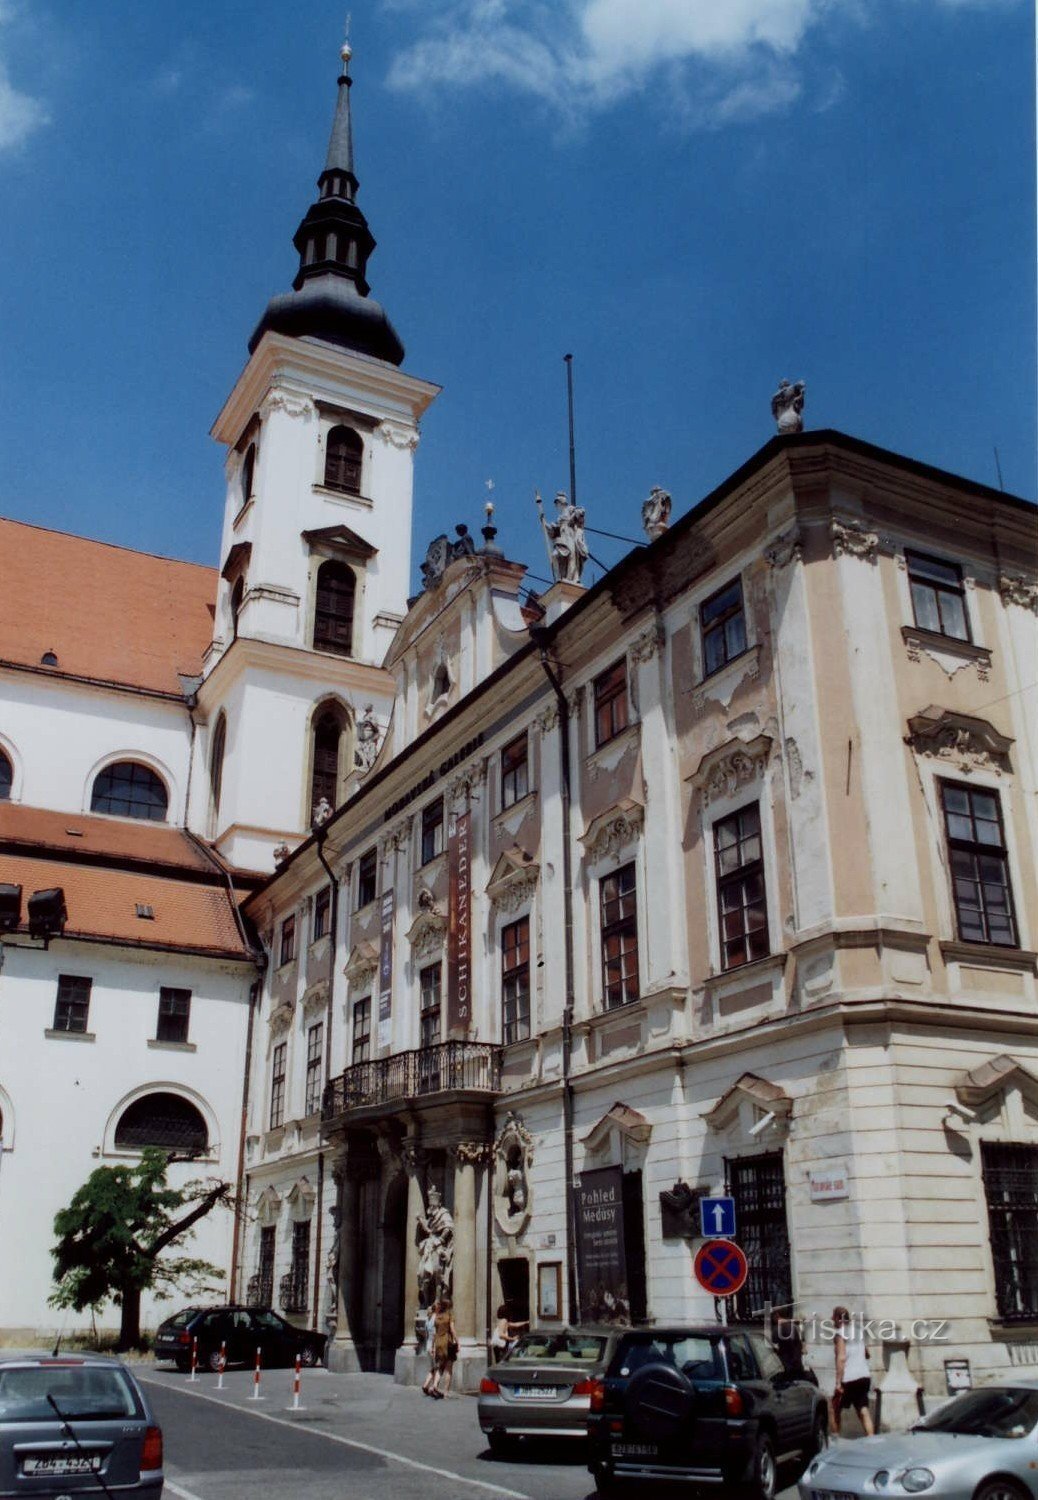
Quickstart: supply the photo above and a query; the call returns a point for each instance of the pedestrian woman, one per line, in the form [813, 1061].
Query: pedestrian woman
[853, 1377]
[445, 1348]
[430, 1336]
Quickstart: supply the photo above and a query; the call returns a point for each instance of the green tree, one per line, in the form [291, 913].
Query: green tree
[111, 1238]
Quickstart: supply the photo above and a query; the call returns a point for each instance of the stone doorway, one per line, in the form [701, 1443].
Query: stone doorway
[393, 1257]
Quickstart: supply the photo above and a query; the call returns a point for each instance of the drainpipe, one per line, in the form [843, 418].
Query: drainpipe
[241, 1187]
[567, 1010]
[321, 835]
[189, 704]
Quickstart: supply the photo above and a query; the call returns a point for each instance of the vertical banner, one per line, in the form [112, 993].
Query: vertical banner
[385, 968]
[459, 924]
[601, 1254]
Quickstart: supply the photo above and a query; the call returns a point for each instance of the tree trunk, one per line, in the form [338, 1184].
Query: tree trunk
[130, 1326]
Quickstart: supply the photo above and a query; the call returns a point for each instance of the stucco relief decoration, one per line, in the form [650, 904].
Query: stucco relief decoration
[610, 833]
[291, 404]
[413, 1157]
[428, 932]
[1016, 589]
[396, 840]
[853, 539]
[369, 740]
[785, 549]
[361, 965]
[514, 880]
[513, 1158]
[547, 720]
[968, 744]
[649, 643]
[656, 513]
[281, 1018]
[724, 772]
[268, 1207]
[467, 781]
[395, 435]
[316, 998]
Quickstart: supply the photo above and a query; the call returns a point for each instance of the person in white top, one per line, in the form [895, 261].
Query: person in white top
[853, 1377]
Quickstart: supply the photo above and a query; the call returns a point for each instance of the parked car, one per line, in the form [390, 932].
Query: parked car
[982, 1445]
[75, 1423]
[542, 1388]
[242, 1330]
[702, 1404]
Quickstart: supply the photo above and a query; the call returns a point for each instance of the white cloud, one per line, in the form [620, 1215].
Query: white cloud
[20, 113]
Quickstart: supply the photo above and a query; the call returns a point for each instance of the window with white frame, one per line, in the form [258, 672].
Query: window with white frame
[314, 1067]
[515, 980]
[938, 596]
[741, 901]
[722, 627]
[979, 860]
[361, 1051]
[278, 1065]
[618, 899]
[429, 981]
[174, 1016]
[323, 912]
[515, 773]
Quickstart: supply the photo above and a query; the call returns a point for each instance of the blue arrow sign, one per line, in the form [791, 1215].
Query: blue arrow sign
[717, 1217]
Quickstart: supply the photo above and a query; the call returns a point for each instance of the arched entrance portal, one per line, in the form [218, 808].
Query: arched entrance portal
[394, 1255]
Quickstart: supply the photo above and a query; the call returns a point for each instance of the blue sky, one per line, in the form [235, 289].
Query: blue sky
[696, 197]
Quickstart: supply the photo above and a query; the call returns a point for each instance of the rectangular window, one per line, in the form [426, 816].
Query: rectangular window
[611, 703]
[758, 1186]
[296, 1286]
[314, 1067]
[265, 1270]
[619, 937]
[742, 909]
[362, 1030]
[277, 1085]
[174, 1015]
[1011, 1188]
[515, 980]
[722, 625]
[322, 913]
[73, 1003]
[432, 830]
[429, 1018]
[979, 865]
[938, 596]
[515, 775]
[367, 878]
[288, 940]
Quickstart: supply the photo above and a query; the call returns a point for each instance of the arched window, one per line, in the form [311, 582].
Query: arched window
[248, 472]
[216, 754]
[333, 608]
[237, 595]
[164, 1120]
[328, 751]
[130, 790]
[344, 451]
[441, 682]
[6, 777]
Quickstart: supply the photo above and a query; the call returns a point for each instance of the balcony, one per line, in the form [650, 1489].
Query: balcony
[448, 1068]
[294, 1290]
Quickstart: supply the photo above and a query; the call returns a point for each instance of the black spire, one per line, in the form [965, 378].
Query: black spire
[330, 297]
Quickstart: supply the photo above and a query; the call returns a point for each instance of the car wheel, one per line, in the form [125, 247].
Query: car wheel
[214, 1361]
[309, 1357]
[763, 1483]
[819, 1435]
[1000, 1489]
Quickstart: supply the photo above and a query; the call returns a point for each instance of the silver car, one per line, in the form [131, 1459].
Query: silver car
[543, 1387]
[71, 1424]
[982, 1445]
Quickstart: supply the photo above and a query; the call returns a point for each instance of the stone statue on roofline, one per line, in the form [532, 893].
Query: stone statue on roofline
[787, 407]
[656, 513]
[567, 544]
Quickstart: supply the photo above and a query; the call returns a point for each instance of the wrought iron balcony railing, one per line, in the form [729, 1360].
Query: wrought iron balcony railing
[294, 1289]
[445, 1068]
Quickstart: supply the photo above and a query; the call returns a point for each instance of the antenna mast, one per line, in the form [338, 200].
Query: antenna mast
[568, 361]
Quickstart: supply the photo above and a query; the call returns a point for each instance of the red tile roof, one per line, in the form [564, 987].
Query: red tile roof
[88, 835]
[106, 612]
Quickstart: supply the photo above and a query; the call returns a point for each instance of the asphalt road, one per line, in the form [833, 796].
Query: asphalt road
[357, 1435]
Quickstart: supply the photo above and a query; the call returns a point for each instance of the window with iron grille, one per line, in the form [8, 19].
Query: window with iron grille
[343, 458]
[722, 626]
[515, 980]
[129, 790]
[288, 940]
[938, 596]
[618, 897]
[72, 1006]
[979, 865]
[515, 776]
[165, 1120]
[322, 912]
[314, 1048]
[174, 1015]
[758, 1185]
[611, 715]
[741, 903]
[277, 1085]
[432, 830]
[362, 1030]
[265, 1269]
[327, 738]
[294, 1294]
[429, 1009]
[367, 877]
[1011, 1188]
[333, 608]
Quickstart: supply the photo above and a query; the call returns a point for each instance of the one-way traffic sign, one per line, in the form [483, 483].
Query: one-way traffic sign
[717, 1217]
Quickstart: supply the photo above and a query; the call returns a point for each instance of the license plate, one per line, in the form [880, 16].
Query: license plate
[634, 1450]
[60, 1464]
[534, 1392]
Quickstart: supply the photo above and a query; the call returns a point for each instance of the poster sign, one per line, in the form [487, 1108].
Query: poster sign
[957, 1376]
[459, 923]
[601, 1254]
[385, 968]
[829, 1182]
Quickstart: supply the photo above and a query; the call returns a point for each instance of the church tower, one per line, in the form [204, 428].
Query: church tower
[320, 430]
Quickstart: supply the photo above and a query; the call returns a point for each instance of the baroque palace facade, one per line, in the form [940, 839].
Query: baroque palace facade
[488, 931]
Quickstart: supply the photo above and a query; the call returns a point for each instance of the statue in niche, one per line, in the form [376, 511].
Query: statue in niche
[434, 1233]
[513, 1155]
[331, 1276]
[567, 544]
[366, 753]
[787, 406]
[656, 513]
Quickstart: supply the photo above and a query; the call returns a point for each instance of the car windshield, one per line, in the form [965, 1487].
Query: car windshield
[181, 1319]
[268, 1320]
[995, 1413]
[696, 1355]
[559, 1347]
[84, 1393]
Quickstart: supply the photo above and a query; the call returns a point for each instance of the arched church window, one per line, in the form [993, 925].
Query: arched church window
[441, 682]
[237, 595]
[329, 745]
[248, 472]
[6, 777]
[216, 755]
[130, 790]
[164, 1120]
[344, 451]
[333, 608]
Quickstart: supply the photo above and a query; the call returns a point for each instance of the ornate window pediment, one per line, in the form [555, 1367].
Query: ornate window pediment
[268, 1206]
[315, 997]
[301, 1198]
[967, 743]
[629, 1122]
[361, 964]
[427, 934]
[764, 1097]
[609, 833]
[513, 880]
[724, 771]
[281, 1017]
[981, 1085]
